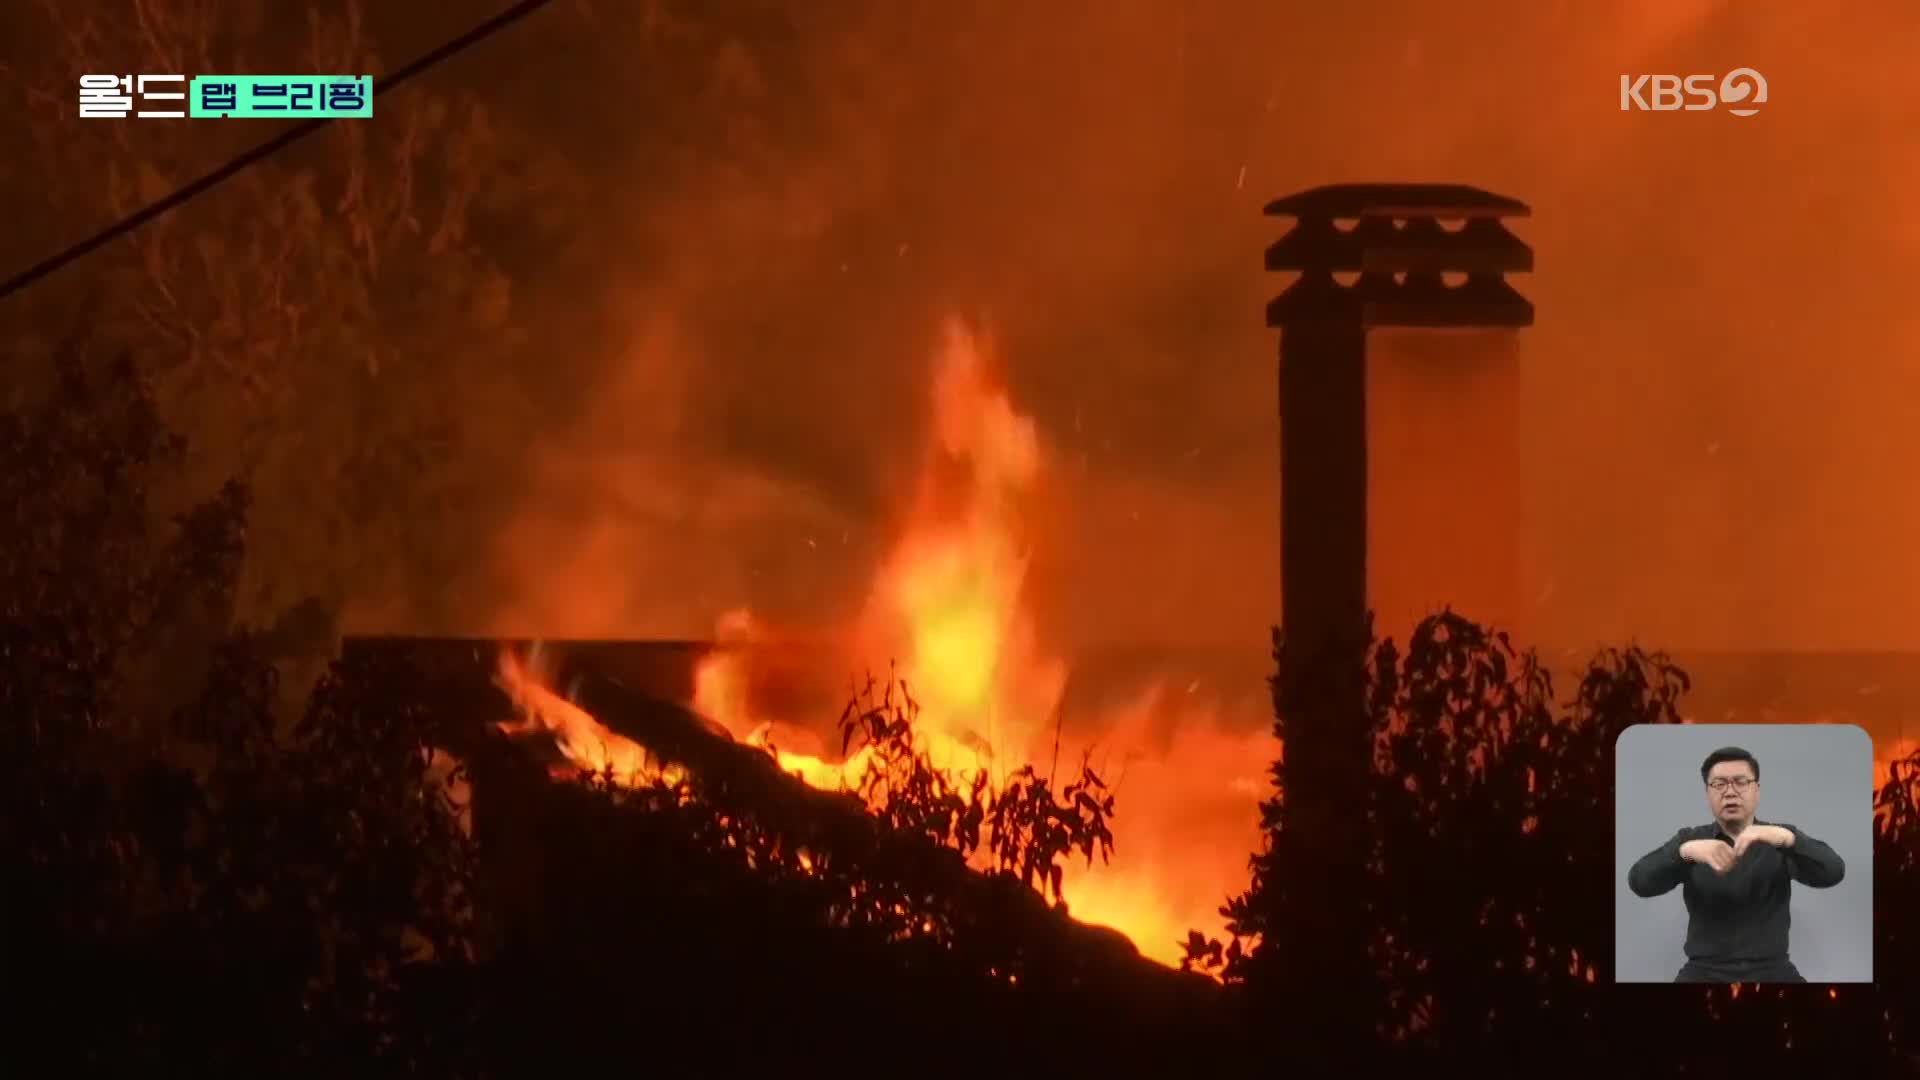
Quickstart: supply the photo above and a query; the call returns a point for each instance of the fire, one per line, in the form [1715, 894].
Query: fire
[720, 693]
[586, 744]
[947, 603]
[1887, 755]
[947, 607]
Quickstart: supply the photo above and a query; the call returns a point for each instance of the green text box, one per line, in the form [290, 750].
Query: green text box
[280, 96]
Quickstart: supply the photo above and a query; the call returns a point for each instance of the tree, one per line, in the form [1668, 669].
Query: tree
[322, 324]
[214, 889]
[1488, 821]
[195, 887]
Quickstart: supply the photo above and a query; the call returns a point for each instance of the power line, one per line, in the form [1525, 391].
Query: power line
[263, 151]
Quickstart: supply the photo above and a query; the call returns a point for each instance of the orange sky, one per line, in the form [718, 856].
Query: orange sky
[1716, 391]
[733, 406]
[1711, 396]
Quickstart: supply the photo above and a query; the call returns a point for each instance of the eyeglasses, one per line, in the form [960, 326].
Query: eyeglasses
[1738, 783]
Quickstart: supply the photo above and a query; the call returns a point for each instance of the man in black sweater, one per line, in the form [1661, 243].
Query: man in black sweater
[1737, 876]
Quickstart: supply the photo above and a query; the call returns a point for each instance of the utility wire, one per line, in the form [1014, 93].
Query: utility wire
[265, 150]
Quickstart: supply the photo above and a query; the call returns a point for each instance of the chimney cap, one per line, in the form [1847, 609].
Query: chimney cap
[1397, 201]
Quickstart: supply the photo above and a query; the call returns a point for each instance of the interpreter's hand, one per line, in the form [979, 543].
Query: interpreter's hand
[1772, 835]
[1710, 853]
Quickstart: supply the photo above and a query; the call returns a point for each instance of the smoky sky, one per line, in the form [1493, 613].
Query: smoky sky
[1718, 396]
[1717, 393]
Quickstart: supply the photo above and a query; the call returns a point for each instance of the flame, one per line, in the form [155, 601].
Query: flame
[947, 603]
[947, 606]
[587, 744]
[1886, 755]
[720, 693]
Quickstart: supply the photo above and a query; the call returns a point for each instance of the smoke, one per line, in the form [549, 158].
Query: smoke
[1715, 397]
[733, 235]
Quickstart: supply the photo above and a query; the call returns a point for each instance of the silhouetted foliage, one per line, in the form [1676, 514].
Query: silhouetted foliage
[900, 781]
[1033, 829]
[1029, 828]
[189, 883]
[1490, 826]
[741, 867]
[201, 890]
[216, 891]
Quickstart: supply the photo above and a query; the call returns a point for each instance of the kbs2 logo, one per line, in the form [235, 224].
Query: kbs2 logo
[1742, 88]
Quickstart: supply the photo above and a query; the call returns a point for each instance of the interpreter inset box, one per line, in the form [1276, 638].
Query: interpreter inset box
[1743, 854]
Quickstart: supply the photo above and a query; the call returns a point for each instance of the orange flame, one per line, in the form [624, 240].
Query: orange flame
[948, 606]
[947, 603]
[587, 744]
[1887, 754]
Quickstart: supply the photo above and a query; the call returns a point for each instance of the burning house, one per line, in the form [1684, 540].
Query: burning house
[946, 607]
[1398, 402]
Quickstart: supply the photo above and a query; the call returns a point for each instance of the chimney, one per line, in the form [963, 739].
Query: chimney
[1399, 412]
[1390, 355]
